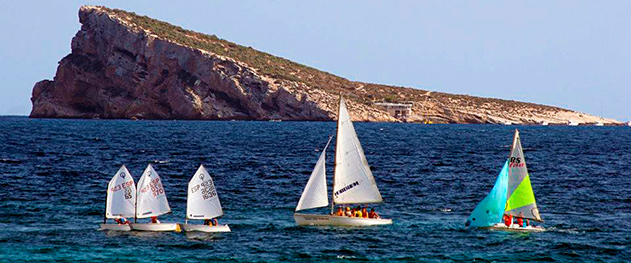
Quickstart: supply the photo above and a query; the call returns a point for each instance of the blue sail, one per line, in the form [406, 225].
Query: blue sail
[491, 209]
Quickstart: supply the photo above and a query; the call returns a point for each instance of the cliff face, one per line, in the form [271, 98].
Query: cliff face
[127, 66]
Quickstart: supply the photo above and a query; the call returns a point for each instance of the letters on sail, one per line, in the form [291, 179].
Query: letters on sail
[152, 200]
[315, 193]
[353, 180]
[121, 195]
[203, 201]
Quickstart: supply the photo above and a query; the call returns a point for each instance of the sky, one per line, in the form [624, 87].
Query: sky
[571, 54]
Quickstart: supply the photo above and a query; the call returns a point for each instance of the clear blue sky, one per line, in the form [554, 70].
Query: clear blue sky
[572, 54]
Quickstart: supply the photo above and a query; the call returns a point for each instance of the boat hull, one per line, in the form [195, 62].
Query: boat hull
[331, 220]
[205, 228]
[115, 227]
[516, 228]
[162, 227]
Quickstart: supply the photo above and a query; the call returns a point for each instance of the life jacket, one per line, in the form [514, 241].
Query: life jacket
[520, 222]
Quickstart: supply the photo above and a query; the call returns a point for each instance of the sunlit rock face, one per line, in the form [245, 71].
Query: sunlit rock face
[120, 69]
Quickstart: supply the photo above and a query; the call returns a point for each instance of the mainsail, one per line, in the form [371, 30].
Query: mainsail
[489, 212]
[315, 193]
[521, 199]
[203, 201]
[151, 201]
[353, 182]
[121, 195]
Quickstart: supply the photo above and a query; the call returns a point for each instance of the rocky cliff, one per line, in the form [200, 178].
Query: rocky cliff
[123, 65]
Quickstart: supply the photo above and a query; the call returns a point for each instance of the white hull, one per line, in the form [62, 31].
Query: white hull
[206, 229]
[331, 220]
[155, 227]
[516, 228]
[115, 227]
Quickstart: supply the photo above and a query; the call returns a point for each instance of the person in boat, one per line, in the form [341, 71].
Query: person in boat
[348, 212]
[122, 221]
[358, 212]
[373, 214]
[339, 212]
[214, 222]
[364, 213]
[520, 222]
[508, 220]
[206, 222]
[154, 220]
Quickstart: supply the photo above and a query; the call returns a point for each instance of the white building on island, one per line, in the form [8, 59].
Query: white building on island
[400, 110]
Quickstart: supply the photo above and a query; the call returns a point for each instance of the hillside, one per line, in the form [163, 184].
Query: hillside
[124, 65]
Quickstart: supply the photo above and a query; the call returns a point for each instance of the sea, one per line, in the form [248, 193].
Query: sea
[54, 175]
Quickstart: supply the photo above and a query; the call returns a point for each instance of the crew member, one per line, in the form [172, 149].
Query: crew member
[339, 212]
[373, 214]
[348, 212]
[154, 220]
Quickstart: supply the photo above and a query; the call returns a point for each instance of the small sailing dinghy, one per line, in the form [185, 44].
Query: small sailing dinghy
[512, 195]
[121, 200]
[203, 203]
[353, 182]
[151, 201]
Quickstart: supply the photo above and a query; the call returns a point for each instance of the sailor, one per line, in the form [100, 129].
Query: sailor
[339, 212]
[154, 220]
[348, 212]
[214, 222]
[122, 221]
[364, 213]
[520, 222]
[206, 222]
[508, 220]
[373, 214]
[358, 212]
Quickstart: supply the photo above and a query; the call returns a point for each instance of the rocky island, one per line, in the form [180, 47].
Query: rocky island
[127, 66]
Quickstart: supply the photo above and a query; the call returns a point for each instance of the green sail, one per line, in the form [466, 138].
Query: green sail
[522, 196]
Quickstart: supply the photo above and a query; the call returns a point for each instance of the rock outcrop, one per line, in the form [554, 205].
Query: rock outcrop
[126, 66]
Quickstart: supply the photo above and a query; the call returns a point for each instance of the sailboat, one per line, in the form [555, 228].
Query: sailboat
[151, 201]
[203, 202]
[120, 201]
[353, 182]
[511, 195]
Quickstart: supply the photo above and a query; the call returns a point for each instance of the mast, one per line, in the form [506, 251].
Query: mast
[337, 138]
[512, 148]
[107, 189]
[136, 207]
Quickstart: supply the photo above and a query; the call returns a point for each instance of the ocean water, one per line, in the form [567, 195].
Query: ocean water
[54, 173]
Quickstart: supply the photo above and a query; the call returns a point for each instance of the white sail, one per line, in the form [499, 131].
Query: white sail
[121, 195]
[151, 201]
[521, 199]
[353, 182]
[315, 193]
[203, 201]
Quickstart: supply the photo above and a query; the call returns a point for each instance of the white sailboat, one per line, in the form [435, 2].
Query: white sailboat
[203, 203]
[151, 201]
[121, 200]
[353, 182]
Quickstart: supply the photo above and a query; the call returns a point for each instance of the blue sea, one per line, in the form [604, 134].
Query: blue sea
[54, 173]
